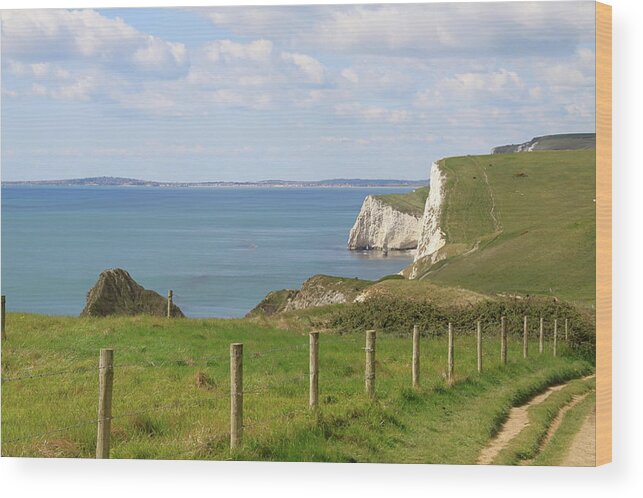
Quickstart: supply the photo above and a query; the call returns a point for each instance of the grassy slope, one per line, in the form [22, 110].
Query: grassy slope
[411, 202]
[522, 223]
[427, 292]
[157, 361]
[567, 142]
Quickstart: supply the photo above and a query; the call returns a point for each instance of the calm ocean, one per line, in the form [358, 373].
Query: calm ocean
[221, 250]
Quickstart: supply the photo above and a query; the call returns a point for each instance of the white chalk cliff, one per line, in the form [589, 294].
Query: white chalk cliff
[380, 226]
[431, 237]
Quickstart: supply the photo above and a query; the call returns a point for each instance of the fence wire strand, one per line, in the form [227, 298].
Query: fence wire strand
[259, 354]
[262, 389]
[33, 436]
[20, 376]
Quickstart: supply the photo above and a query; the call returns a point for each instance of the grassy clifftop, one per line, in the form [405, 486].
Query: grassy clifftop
[567, 141]
[171, 392]
[519, 223]
[411, 202]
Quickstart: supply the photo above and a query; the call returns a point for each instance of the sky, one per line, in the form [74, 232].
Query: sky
[296, 92]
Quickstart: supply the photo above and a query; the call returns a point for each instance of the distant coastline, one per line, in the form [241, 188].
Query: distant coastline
[109, 181]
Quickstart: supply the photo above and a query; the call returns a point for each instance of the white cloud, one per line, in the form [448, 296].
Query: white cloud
[412, 64]
[576, 71]
[39, 89]
[309, 66]
[150, 100]
[229, 51]
[232, 98]
[9, 93]
[37, 70]
[252, 19]
[535, 92]
[582, 110]
[472, 87]
[79, 90]
[350, 75]
[373, 113]
[86, 34]
[421, 29]
[472, 84]
[345, 140]
[158, 54]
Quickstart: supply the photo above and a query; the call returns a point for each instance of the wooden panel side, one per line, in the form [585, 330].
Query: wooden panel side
[603, 234]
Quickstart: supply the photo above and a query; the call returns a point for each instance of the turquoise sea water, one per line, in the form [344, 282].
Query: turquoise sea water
[221, 250]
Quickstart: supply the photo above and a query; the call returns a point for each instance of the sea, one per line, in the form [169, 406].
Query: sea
[221, 250]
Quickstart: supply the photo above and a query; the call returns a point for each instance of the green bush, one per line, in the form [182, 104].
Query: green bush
[394, 276]
[398, 316]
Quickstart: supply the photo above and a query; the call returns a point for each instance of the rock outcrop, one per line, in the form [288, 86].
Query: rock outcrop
[432, 238]
[274, 302]
[322, 290]
[380, 226]
[117, 293]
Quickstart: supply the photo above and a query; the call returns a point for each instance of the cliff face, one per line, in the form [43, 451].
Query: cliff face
[380, 226]
[117, 293]
[431, 236]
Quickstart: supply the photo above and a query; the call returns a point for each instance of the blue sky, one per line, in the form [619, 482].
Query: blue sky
[310, 92]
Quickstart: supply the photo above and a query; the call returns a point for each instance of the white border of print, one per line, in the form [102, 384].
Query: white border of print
[95, 479]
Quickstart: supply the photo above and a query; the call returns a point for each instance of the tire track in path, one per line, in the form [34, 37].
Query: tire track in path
[556, 423]
[582, 451]
[517, 420]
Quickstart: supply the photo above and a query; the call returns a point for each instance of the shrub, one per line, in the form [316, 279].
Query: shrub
[398, 316]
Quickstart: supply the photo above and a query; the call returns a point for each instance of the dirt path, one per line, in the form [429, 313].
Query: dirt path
[557, 421]
[492, 211]
[517, 420]
[559, 418]
[582, 452]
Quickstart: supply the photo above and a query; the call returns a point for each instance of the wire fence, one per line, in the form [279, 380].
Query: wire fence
[38, 435]
[235, 392]
[149, 363]
[174, 405]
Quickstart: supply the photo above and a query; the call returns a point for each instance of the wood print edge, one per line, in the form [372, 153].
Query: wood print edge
[603, 233]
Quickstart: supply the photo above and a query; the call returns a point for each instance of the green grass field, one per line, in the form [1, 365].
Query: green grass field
[520, 223]
[171, 392]
[410, 202]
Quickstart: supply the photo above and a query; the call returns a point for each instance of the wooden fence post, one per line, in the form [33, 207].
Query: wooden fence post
[525, 339]
[566, 329]
[369, 371]
[415, 366]
[105, 385]
[313, 399]
[541, 338]
[170, 296]
[479, 348]
[503, 340]
[236, 395]
[555, 334]
[450, 357]
[3, 304]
